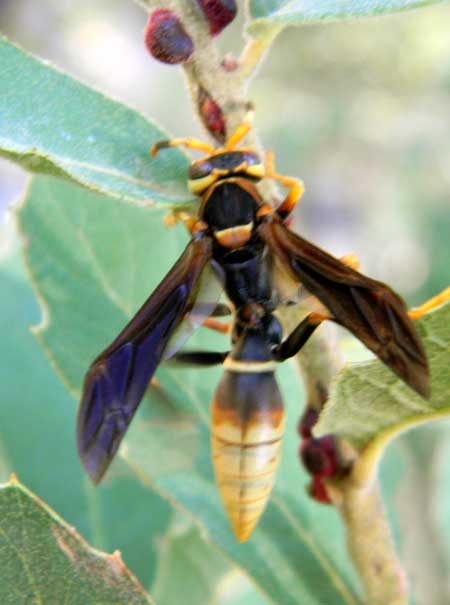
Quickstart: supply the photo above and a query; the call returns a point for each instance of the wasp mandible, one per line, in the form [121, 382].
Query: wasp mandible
[258, 258]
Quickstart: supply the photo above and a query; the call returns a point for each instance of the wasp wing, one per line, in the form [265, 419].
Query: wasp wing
[366, 307]
[118, 378]
[207, 294]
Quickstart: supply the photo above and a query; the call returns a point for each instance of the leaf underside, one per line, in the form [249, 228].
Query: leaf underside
[281, 13]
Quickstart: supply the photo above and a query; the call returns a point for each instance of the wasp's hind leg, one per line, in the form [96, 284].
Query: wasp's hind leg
[298, 337]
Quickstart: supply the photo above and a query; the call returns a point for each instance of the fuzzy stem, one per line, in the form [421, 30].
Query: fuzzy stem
[370, 544]
[357, 496]
[204, 70]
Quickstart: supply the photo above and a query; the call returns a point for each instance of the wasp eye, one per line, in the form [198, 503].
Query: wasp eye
[219, 13]
[166, 39]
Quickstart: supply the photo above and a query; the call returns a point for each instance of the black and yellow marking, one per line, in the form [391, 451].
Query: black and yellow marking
[248, 367]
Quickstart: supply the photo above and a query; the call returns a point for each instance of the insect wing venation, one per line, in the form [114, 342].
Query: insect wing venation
[118, 378]
[367, 308]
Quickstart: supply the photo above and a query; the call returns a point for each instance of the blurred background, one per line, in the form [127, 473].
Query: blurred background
[361, 112]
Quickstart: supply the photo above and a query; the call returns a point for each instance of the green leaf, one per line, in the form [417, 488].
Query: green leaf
[183, 555]
[43, 560]
[97, 513]
[208, 578]
[281, 13]
[93, 264]
[50, 123]
[37, 438]
[368, 401]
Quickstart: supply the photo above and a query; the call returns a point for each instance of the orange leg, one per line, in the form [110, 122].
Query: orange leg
[430, 304]
[240, 132]
[295, 187]
[217, 326]
[190, 143]
[189, 220]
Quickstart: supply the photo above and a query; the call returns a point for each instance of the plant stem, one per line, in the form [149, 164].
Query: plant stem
[357, 496]
[370, 544]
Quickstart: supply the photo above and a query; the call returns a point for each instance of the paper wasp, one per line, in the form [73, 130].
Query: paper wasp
[257, 257]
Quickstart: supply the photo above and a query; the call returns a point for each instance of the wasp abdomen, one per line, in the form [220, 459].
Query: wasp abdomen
[247, 428]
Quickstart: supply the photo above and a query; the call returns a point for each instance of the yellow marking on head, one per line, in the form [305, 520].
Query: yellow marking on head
[256, 170]
[234, 237]
[198, 186]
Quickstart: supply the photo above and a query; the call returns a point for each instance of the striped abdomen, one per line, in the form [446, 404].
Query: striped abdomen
[247, 428]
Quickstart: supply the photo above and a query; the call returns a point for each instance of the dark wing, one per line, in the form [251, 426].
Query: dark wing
[366, 307]
[207, 293]
[118, 378]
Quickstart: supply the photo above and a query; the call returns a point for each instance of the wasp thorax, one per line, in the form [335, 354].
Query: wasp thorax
[230, 211]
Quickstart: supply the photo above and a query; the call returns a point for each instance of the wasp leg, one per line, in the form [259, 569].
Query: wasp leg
[175, 216]
[295, 186]
[431, 304]
[190, 143]
[200, 358]
[217, 326]
[237, 135]
[240, 132]
[298, 337]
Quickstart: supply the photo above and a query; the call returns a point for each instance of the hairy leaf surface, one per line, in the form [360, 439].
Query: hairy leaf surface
[53, 124]
[367, 401]
[43, 560]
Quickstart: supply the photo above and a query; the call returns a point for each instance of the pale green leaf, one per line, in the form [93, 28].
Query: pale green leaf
[183, 555]
[368, 401]
[37, 437]
[93, 264]
[50, 123]
[281, 13]
[43, 560]
[207, 577]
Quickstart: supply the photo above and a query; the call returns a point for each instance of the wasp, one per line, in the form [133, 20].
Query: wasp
[262, 265]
